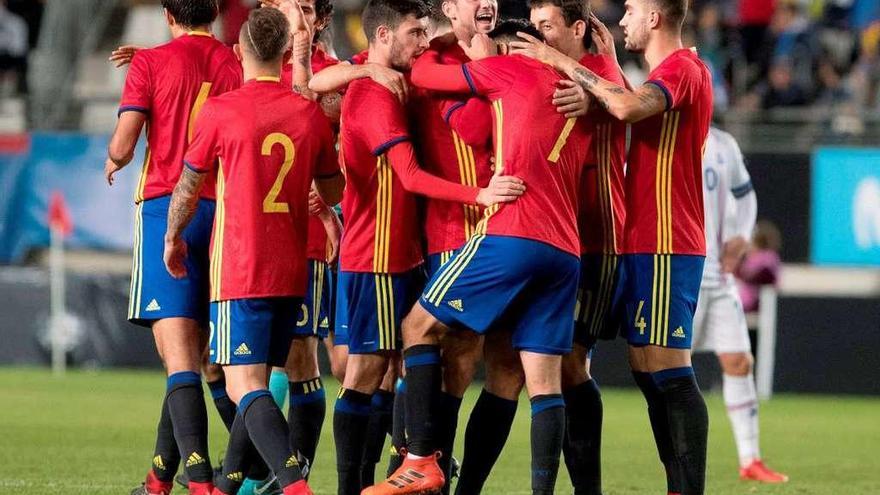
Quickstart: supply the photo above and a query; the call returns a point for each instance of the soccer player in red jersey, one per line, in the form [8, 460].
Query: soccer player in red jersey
[165, 89]
[664, 247]
[267, 145]
[482, 283]
[565, 25]
[379, 267]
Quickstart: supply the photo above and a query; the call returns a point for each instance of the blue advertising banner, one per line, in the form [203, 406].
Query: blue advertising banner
[846, 207]
[72, 164]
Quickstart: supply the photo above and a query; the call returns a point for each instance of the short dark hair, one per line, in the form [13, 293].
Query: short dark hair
[390, 13]
[323, 9]
[266, 33]
[506, 30]
[192, 12]
[675, 11]
[572, 11]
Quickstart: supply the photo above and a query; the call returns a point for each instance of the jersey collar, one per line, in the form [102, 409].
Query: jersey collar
[268, 79]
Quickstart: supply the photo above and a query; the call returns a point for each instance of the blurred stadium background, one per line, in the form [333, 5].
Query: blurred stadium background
[797, 83]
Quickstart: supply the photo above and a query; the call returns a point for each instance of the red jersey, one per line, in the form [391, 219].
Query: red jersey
[270, 143]
[664, 181]
[170, 83]
[317, 245]
[535, 143]
[602, 209]
[381, 220]
[445, 153]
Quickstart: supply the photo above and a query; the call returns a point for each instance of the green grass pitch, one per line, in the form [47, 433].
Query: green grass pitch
[92, 433]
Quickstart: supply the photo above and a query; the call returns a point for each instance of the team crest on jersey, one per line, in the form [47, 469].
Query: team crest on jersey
[242, 350]
[456, 304]
[679, 332]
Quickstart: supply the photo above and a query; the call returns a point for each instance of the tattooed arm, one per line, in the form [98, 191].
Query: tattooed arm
[184, 202]
[626, 105]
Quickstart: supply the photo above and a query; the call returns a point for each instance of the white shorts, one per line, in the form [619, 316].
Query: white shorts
[719, 323]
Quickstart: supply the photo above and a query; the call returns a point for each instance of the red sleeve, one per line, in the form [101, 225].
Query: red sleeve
[677, 81]
[470, 119]
[359, 58]
[328, 161]
[137, 92]
[201, 155]
[387, 124]
[491, 77]
[430, 73]
[416, 180]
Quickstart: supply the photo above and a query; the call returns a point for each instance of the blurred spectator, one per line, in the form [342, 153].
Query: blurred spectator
[761, 264]
[13, 49]
[793, 43]
[754, 20]
[779, 90]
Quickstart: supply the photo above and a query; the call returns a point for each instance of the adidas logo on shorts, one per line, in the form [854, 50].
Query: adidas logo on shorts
[242, 350]
[153, 306]
[679, 332]
[325, 323]
[456, 304]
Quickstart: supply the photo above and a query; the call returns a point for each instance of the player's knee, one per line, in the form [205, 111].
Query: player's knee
[420, 327]
[505, 378]
[574, 369]
[736, 364]
[212, 372]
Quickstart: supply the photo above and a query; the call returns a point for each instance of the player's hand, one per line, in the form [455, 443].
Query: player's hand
[293, 11]
[571, 99]
[333, 227]
[391, 79]
[174, 256]
[110, 169]
[602, 37]
[534, 48]
[501, 189]
[481, 46]
[316, 204]
[122, 56]
[732, 253]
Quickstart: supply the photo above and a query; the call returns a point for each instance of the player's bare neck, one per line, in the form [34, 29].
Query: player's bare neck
[375, 56]
[463, 33]
[178, 30]
[661, 46]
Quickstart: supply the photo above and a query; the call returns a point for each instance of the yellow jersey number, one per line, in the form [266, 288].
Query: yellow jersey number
[270, 202]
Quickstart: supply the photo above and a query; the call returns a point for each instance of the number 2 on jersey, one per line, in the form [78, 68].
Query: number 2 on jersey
[270, 202]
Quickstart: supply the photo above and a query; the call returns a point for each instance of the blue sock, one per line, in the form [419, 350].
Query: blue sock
[547, 431]
[278, 387]
[305, 418]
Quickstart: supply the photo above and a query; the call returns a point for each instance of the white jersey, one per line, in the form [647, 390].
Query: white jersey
[728, 201]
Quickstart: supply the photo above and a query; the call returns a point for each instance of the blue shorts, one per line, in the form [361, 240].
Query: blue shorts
[253, 331]
[436, 261]
[371, 306]
[596, 315]
[154, 293]
[316, 316]
[529, 286]
[659, 297]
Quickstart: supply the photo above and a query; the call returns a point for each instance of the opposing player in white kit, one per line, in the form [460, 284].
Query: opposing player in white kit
[730, 207]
